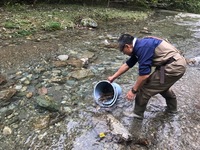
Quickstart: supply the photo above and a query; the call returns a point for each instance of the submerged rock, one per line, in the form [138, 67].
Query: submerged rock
[6, 95]
[2, 79]
[75, 62]
[47, 102]
[42, 91]
[59, 63]
[81, 74]
[29, 94]
[41, 122]
[118, 129]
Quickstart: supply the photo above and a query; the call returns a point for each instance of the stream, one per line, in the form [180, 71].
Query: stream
[84, 121]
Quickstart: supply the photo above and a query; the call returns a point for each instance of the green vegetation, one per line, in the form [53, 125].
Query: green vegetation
[19, 20]
[22, 20]
[11, 25]
[52, 26]
[183, 5]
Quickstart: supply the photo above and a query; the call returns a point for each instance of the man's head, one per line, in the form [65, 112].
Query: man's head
[125, 43]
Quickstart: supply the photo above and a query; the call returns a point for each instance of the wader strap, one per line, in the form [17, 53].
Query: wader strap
[162, 69]
[162, 74]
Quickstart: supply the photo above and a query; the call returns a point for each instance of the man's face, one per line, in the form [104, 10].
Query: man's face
[128, 49]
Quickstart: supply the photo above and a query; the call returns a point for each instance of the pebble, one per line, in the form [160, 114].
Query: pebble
[18, 87]
[27, 82]
[63, 57]
[7, 131]
[29, 94]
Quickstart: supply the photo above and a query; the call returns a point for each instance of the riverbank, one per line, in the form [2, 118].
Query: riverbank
[29, 33]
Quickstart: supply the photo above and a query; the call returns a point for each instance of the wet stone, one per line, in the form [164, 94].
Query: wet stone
[5, 95]
[7, 112]
[29, 94]
[58, 80]
[41, 122]
[81, 74]
[118, 129]
[7, 131]
[47, 102]
[75, 62]
[90, 56]
[42, 91]
[27, 82]
[56, 72]
[2, 79]
[63, 57]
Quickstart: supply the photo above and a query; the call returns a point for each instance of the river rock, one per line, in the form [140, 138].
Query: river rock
[7, 131]
[59, 63]
[75, 62]
[118, 129]
[58, 80]
[88, 54]
[5, 95]
[88, 22]
[29, 94]
[112, 37]
[87, 57]
[18, 87]
[42, 91]
[41, 122]
[2, 79]
[85, 62]
[47, 102]
[39, 69]
[63, 57]
[145, 30]
[81, 74]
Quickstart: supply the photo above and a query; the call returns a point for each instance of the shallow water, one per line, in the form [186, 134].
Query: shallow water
[181, 131]
[81, 128]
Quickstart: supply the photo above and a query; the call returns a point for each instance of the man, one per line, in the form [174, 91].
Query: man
[150, 52]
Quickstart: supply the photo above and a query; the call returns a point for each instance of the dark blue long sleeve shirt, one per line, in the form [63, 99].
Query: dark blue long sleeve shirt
[143, 53]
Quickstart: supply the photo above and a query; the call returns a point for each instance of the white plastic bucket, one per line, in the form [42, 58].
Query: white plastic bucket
[105, 87]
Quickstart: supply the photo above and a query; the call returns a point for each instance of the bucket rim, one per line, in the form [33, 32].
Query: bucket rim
[115, 96]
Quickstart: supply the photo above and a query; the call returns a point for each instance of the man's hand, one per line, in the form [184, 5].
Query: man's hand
[119, 72]
[111, 79]
[130, 96]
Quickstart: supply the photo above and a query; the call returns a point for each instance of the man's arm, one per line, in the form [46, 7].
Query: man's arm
[119, 72]
[140, 81]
